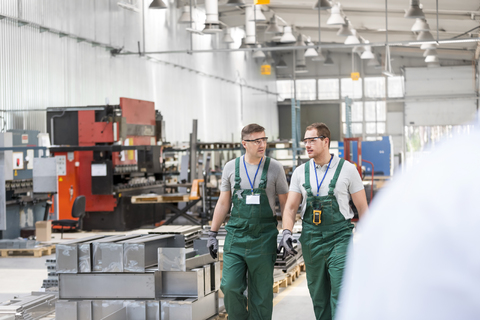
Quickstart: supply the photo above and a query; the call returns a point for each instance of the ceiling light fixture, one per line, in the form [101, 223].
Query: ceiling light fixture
[281, 64]
[430, 52]
[257, 14]
[157, 4]
[352, 39]
[258, 54]
[335, 16]
[420, 25]
[300, 42]
[375, 62]
[288, 36]
[345, 29]
[322, 5]
[227, 38]
[185, 17]
[414, 11]
[425, 36]
[311, 52]
[367, 54]
[432, 59]
[328, 60]
[238, 3]
[273, 26]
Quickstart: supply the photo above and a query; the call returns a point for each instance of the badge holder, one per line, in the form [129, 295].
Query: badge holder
[317, 216]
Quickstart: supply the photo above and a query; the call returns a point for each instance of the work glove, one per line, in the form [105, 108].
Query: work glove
[286, 244]
[212, 244]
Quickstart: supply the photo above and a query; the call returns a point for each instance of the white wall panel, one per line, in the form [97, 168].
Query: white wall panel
[42, 69]
[440, 96]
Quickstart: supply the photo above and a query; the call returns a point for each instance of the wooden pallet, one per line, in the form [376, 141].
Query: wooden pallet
[164, 198]
[37, 252]
[288, 280]
[302, 267]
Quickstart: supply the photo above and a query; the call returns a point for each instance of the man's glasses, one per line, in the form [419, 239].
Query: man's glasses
[313, 140]
[258, 141]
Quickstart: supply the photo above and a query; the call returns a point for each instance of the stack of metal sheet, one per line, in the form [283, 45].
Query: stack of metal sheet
[190, 233]
[17, 244]
[135, 278]
[52, 280]
[30, 307]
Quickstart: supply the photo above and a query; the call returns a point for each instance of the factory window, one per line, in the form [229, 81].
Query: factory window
[284, 89]
[306, 89]
[396, 87]
[357, 112]
[352, 89]
[328, 89]
[375, 115]
[375, 87]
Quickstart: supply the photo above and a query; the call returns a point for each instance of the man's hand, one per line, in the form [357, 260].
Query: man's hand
[286, 244]
[212, 244]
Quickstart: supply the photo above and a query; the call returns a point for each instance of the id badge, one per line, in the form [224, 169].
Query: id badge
[317, 215]
[253, 199]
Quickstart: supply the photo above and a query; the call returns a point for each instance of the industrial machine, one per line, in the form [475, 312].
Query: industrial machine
[108, 154]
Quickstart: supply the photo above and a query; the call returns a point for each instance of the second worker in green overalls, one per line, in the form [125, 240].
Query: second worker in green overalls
[249, 186]
[324, 185]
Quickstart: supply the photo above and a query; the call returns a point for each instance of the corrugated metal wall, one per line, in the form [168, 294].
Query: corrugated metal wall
[44, 69]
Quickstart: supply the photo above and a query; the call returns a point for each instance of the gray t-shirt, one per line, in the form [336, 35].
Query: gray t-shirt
[276, 180]
[349, 182]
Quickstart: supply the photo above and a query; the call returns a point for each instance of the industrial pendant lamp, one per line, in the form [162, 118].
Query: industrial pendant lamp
[345, 29]
[420, 25]
[257, 14]
[431, 59]
[237, 3]
[227, 38]
[157, 4]
[273, 26]
[319, 57]
[374, 62]
[352, 39]
[300, 42]
[425, 36]
[185, 17]
[288, 36]
[322, 5]
[414, 11]
[311, 52]
[281, 63]
[430, 52]
[258, 54]
[367, 54]
[335, 16]
[328, 60]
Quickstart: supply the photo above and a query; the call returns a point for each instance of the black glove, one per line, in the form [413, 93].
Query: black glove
[212, 244]
[286, 244]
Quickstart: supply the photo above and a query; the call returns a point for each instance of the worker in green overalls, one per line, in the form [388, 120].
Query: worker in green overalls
[324, 186]
[249, 186]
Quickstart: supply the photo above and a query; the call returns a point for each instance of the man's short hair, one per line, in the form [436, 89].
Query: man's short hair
[251, 128]
[322, 130]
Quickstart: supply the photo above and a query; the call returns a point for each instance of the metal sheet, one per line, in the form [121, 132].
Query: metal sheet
[172, 259]
[108, 255]
[190, 308]
[66, 310]
[117, 315]
[141, 253]
[110, 286]
[67, 255]
[153, 310]
[136, 310]
[84, 310]
[183, 284]
[207, 279]
[215, 276]
[103, 308]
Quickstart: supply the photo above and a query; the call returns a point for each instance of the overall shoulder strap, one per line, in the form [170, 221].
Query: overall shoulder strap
[331, 187]
[237, 174]
[306, 185]
[263, 179]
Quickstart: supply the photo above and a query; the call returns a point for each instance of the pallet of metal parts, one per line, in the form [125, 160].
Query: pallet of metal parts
[18, 244]
[28, 307]
[108, 309]
[141, 253]
[190, 308]
[108, 253]
[71, 256]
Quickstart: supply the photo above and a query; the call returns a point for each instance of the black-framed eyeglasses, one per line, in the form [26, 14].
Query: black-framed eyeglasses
[258, 141]
[313, 140]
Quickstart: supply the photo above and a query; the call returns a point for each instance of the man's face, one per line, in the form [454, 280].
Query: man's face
[315, 147]
[256, 148]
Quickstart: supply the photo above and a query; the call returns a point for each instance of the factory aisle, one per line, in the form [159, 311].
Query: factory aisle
[294, 302]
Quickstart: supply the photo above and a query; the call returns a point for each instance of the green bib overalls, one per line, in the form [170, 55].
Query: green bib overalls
[324, 247]
[250, 247]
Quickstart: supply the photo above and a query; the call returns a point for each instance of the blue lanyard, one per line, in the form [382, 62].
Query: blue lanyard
[316, 176]
[251, 184]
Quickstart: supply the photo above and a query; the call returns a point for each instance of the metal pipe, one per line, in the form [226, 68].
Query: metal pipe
[191, 26]
[437, 22]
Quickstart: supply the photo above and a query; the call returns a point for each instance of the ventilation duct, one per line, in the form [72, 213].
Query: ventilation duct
[212, 24]
[250, 28]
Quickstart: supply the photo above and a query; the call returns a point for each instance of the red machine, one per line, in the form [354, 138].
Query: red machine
[108, 154]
